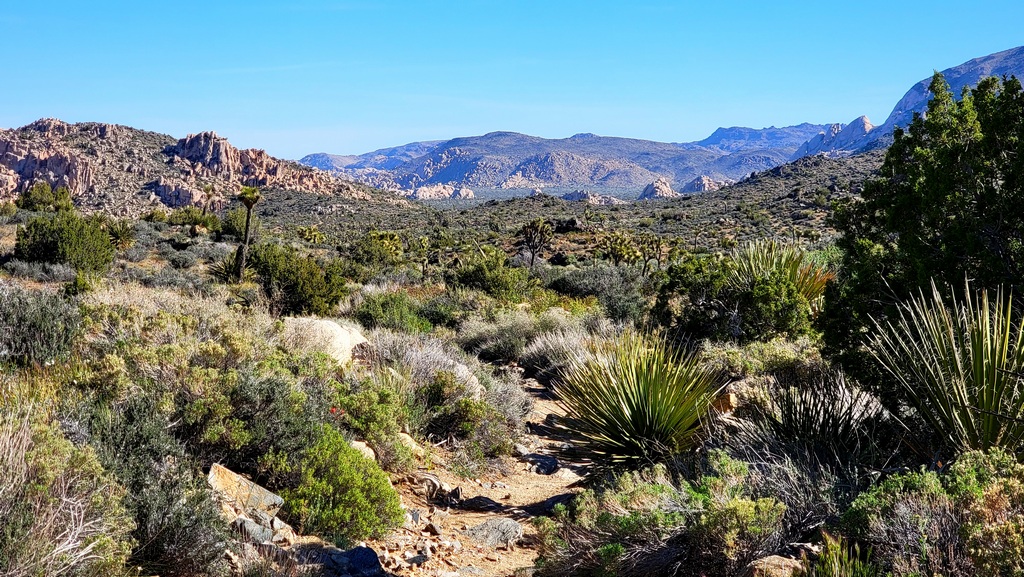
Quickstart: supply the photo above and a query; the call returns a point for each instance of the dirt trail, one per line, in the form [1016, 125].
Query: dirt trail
[520, 494]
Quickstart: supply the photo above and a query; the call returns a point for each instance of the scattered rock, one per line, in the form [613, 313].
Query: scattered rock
[364, 449]
[497, 532]
[774, 566]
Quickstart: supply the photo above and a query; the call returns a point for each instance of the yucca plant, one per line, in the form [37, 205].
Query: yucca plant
[840, 559]
[122, 234]
[636, 400]
[960, 364]
[763, 258]
[226, 270]
[832, 419]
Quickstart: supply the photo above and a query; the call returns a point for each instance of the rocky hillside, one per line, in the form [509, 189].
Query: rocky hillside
[511, 160]
[126, 171]
[860, 135]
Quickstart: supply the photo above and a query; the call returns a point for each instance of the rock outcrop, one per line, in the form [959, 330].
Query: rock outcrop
[705, 183]
[837, 139]
[592, 198]
[441, 192]
[658, 190]
[125, 172]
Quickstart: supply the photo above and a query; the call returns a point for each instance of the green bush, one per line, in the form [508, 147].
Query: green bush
[489, 271]
[8, 209]
[233, 224]
[839, 559]
[81, 242]
[618, 289]
[642, 523]
[36, 327]
[343, 495]
[62, 514]
[636, 400]
[395, 311]
[193, 216]
[741, 298]
[179, 530]
[297, 284]
[42, 198]
[968, 520]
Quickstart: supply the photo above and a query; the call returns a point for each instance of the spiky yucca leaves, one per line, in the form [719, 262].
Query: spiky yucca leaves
[763, 258]
[832, 420]
[636, 400]
[122, 234]
[960, 364]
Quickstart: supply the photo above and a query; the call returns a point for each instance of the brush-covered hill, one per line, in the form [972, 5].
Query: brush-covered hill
[125, 171]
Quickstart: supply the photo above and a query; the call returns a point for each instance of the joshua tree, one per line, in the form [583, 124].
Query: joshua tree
[250, 195]
[535, 236]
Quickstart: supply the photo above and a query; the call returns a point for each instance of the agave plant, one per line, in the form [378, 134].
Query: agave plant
[763, 258]
[636, 400]
[960, 364]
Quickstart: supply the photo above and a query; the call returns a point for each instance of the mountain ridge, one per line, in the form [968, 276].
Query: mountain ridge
[512, 160]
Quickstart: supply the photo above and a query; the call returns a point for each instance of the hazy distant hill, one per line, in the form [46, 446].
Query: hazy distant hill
[860, 135]
[513, 160]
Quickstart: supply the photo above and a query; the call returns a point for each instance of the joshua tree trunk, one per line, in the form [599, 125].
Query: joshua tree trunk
[249, 196]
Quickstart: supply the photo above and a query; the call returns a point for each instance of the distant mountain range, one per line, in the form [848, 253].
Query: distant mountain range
[860, 135]
[509, 160]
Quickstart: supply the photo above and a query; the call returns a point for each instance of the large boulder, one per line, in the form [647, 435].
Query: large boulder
[321, 335]
[659, 189]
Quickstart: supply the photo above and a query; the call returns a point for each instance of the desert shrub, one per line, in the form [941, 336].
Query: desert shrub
[644, 522]
[506, 338]
[708, 297]
[550, 353]
[297, 284]
[447, 394]
[8, 209]
[81, 242]
[342, 495]
[62, 513]
[789, 264]
[41, 197]
[233, 224]
[40, 271]
[36, 327]
[618, 289]
[636, 400]
[391, 310]
[960, 365]
[377, 250]
[182, 259]
[455, 305]
[156, 215]
[178, 526]
[249, 416]
[193, 216]
[375, 410]
[968, 520]
[491, 272]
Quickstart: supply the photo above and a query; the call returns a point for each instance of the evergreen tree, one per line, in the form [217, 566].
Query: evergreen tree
[946, 206]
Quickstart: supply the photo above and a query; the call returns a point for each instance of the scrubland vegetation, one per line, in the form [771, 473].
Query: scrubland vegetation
[863, 397]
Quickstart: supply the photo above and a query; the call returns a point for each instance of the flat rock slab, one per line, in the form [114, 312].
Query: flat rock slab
[242, 493]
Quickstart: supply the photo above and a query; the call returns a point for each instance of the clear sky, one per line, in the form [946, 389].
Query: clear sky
[348, 77]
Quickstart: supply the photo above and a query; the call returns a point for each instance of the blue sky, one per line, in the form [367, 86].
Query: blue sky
[348, 77]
